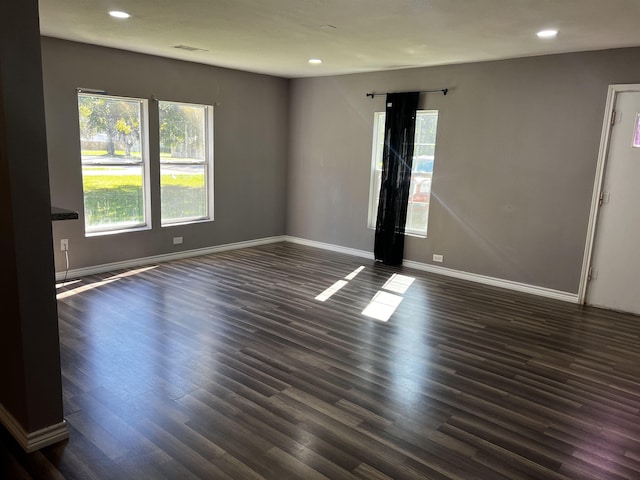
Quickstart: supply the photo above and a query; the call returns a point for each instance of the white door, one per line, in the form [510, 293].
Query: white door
[615, 275]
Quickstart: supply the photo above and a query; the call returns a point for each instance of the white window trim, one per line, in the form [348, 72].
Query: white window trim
[376, 154]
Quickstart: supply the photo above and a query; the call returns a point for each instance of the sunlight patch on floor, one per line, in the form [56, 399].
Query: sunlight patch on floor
[353, 274]
[331, 290]
[338, 285]
[384, 303]
[91, 286]
[398, 283]
[66, 283]
[83, 288]
[382, 306]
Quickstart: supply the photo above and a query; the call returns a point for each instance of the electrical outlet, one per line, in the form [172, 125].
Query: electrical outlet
[438, 258]
[64, 244]
[177, 240]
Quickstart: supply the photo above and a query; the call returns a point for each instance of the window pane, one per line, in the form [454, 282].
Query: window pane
[426, 126]
[420, 190]
[184, 192]
[186, 161]
[380, 120]
[113, 162]
[113, 197]
[418, 207]
[109, 130]
[182, 132]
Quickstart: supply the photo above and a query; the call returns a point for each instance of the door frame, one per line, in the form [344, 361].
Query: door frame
[603, 156]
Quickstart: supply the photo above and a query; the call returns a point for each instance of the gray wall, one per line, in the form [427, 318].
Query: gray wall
[515, 162]
[251, 140]
[516, 154]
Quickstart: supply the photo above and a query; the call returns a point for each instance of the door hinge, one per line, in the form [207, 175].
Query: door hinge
[613, 118]
[590, 274]
[601, 199]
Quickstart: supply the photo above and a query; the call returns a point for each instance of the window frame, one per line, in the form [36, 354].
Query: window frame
[144, 163]
[376, 173]
[207, 163]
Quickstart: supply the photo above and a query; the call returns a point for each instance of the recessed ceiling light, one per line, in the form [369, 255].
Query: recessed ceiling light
[315, 61]
[547, 33]
[119, 14]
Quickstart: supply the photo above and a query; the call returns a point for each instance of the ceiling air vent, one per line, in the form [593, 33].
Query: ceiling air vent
[190, 49]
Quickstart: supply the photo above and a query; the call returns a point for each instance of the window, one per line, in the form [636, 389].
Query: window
[113, 133]
[422, 170]
[186, 161]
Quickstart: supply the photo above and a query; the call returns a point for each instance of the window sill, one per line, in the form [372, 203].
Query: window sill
[116, 232]
[407, 234]
[187, 222]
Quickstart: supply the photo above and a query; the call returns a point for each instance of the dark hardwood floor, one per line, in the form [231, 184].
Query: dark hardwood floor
[225, 367]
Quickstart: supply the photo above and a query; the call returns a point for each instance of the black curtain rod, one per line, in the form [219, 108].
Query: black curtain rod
[441, 90]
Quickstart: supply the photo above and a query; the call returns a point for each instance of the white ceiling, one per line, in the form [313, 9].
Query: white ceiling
[278, 37]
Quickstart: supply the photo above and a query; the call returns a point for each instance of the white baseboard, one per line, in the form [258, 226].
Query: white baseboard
[32, 441]
[472, 277]
[494, 282]
[139, 262]
[329, 246]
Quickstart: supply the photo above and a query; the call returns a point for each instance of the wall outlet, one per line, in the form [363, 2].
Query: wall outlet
[64, 244]
[177, 240]
[438, 258]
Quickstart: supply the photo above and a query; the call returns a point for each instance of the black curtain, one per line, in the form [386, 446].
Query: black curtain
[397, 157]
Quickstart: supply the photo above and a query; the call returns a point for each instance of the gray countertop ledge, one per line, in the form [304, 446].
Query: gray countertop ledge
[58, 213]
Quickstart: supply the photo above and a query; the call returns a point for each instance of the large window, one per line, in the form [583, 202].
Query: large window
[186, 162]
[114, 162]
[422, 170]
